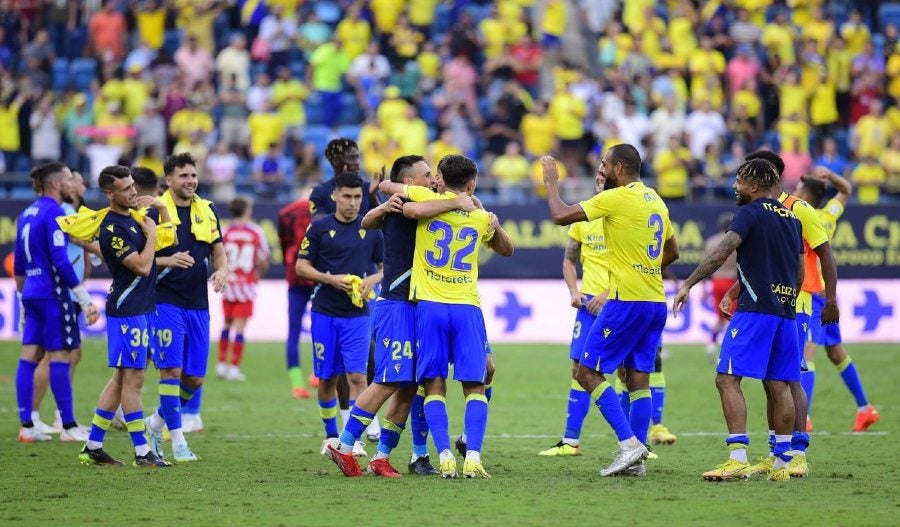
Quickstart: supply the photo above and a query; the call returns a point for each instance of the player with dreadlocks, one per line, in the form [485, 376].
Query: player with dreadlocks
[761, 341]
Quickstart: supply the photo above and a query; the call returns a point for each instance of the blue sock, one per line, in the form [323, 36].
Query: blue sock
[356, 425]
[438, 422]
[135, 424]
[800, 442]
[622, 392]
[100, 424]
[328, 410]
[782, 448]
[25, 389]
[193, 406]
[390, 437]
[489, 392]
[658, 396]
[475, 421]
[604, 397]
[640, 413]
[738, 442]
[851, 379]
[579, 404]
[771, 441]
[808, 382]
[61, 385]
[187, 393]
[170, 403]
[418, 425]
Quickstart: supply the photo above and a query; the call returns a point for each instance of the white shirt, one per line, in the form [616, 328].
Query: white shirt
[633, 129]
[256, 96]
[704, 128]
[665, 125]
[232, 61]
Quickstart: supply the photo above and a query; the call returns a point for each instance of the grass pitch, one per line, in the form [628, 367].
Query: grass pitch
[261, 464]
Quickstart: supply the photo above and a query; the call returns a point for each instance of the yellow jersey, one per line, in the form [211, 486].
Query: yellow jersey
[814, 235]
[445, 263]
[594, 264]
[636, 225]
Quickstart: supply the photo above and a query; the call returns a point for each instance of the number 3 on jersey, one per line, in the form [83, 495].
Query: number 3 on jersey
[656, 223]
[443, 253]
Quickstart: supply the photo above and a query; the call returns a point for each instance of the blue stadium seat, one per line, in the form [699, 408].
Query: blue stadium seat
[83, 72]
[256, 68]
[350, 131]
[319, 136]
[842, 138]
[60, 74]
[328, 11]
[75, 42]
[350, 110]
[313, 107]
[172, 41]
[428, 112]
[21, 192]
[298, 68]
[889, 13]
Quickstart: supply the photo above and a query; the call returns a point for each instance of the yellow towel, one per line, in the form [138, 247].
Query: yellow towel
[355, 293]
[85, 225]
[204, 225]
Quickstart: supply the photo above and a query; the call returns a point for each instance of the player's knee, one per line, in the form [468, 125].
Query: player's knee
[191, 381]
[836, 354]
[132, 379]
[727, 383]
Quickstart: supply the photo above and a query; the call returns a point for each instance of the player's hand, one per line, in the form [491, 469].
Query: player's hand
[149, 201]
[596, 304]
[478, 203]
[464, 202]
[830, 313]
[92, 315]
[551, 173]
[821, 173]
[394, 204]
[681, 299]
[368, 284]
[339, 281]
[576, 300]
[219, 280]
[379, 177]
[181, 260]
[725, 307]
[493, 222]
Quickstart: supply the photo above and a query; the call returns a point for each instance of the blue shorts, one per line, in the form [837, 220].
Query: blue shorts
[761, 346]
[395, 340]
[51, 324]
[583, 322]
[625, 333]
[182, 339]
[827, 335]
[451, 333]
[340, 345]
[128, 341]
[550, 41]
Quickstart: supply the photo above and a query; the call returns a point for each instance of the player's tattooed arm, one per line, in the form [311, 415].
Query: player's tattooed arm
[570, 271]
[707, 267]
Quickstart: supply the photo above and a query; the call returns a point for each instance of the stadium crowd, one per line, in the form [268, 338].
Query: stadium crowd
[256, 88]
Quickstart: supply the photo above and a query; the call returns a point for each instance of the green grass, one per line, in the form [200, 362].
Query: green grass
[261, 464]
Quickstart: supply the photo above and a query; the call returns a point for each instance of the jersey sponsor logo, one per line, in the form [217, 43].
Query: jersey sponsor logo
[606, 332]
[646, 270]
[117, 243]
[734, 333]
[33, 272]
[59, 239]
[447, 279]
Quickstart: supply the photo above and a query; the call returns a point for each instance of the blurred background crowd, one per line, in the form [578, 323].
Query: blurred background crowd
[256, 88]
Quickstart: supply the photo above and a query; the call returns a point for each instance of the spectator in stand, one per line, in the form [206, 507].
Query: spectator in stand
[221, 172]
[233, 62]
[832, 159]
[443, 146]
[429, 63]
[265, 128]
[872, 131]
[194, 144]
[568, 112]
[78, 115]
[150, 18]
[411, 132]
[527, 57]
[673, 166]
[233, 122]
[368, 74]
[743, 31]
[797, 163]
[890, 161]
[312, 34]
[279, 30]
[308, 173]
[260, 93]
[703, 126]
[45, 132]
[460, 80]
[779, 38]
[269, 175]
[327, 66]
[404, 42]
[108, 32]
[538, 131]
[868, 61]
[190, 119]
[151, 159]
[634, 127]
[100, 154]
[40, 49]
[742, 68]
[196, 63]
[510, 170]
[666, 121]
[868, 177]
[855, 33]
[288, 95]
[150, 130]
[819, 29]
[354, 32]
[196, 18]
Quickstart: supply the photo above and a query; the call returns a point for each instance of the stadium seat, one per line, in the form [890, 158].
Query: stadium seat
[328, 11]
[172, 41]
[61, 74]
[889, 13]
[350, 131]
[428, 112]
[350, 111]
[842, 138]
[83, 72]
[76, 40]
[298, 68]
[21, 192]
[313, 107]
[256, 68]
[319, 136]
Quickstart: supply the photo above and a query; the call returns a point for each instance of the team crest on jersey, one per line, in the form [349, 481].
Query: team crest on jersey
[362, 234]
[734, 333]
[606, 332]
[331, 232]
[386, 341]
[124, 328]
[117, 243]
[110, 228]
